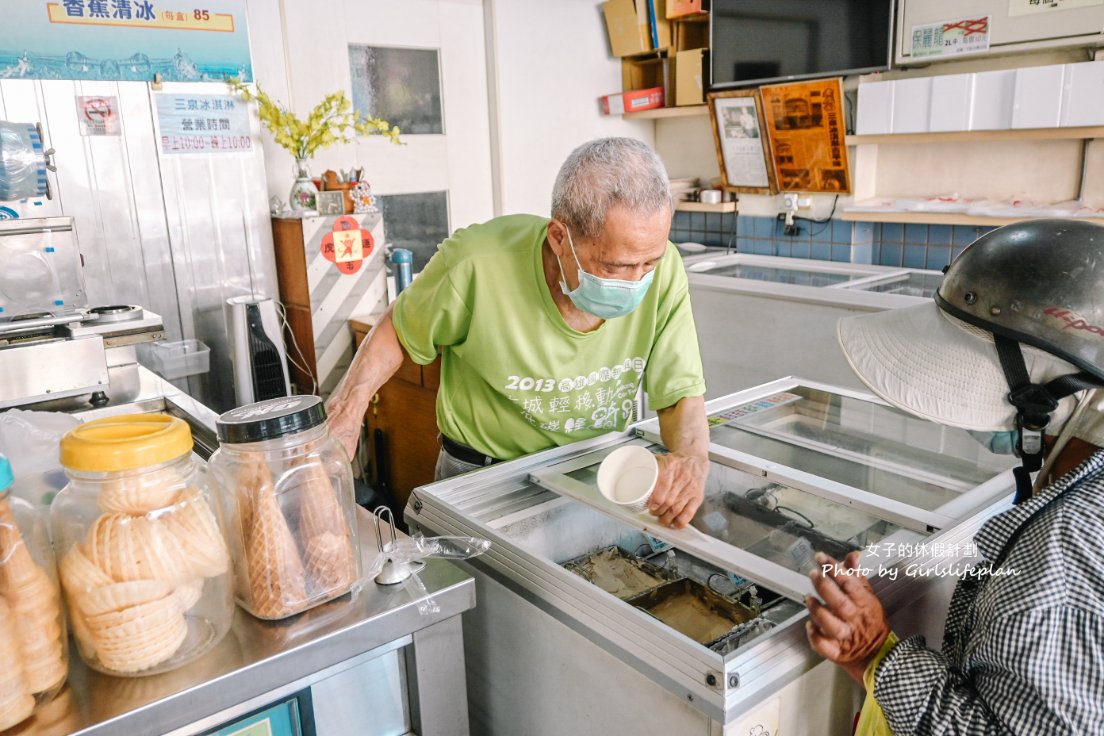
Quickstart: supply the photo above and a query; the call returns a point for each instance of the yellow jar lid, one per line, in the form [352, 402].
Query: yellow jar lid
[128, 442]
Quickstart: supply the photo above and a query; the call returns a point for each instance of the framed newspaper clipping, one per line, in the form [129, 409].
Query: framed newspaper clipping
[740, 137]
[805, 126]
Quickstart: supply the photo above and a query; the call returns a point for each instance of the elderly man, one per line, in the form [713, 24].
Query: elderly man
[1013, 350]
[546, 329]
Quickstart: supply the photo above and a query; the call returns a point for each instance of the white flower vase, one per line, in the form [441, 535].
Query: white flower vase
[304, 194]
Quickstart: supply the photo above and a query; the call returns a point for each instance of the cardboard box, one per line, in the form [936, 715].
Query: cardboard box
[645, 72]
[681, 8]
[629, 24]
[690, 34]
[635, 101]
[689, 70]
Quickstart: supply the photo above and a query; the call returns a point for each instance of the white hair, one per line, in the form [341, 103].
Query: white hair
[607, 172]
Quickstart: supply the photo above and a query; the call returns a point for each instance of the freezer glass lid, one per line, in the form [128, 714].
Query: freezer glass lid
[909, 284]
[801, 277]
[771, 520]
[860, 444]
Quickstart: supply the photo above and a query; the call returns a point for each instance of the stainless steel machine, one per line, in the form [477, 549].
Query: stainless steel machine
[595, 620]
[760, 317]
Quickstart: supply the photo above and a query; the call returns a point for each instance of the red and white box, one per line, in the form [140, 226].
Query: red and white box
[635, 101]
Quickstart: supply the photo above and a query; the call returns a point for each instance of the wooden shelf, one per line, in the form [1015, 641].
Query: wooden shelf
[669, 112]
[940, 218]
[971, 136]
[703, 207]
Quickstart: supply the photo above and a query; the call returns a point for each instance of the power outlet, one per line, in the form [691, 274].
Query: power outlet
[790, 201]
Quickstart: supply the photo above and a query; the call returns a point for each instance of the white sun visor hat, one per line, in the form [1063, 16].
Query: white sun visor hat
[926, 362]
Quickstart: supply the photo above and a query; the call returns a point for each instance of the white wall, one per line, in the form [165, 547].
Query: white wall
[553, 64]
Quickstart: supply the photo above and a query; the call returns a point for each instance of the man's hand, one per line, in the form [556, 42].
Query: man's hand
[344, 427]
[679, 489]
[850, 626]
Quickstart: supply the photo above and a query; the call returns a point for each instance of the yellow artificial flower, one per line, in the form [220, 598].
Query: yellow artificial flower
[331, 121]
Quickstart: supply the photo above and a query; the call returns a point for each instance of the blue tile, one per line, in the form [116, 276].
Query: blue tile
[713, 222]
[893, 232]
[862, 253]
[915, 256]
[762, 247]
[681, 220]
[964, 235]
[841, 231]
[876, 252]
[678, 236]
[761, 226]
[821, 251]
[939, 235]
[819, 233]
[782, 248]
[799, 250]
[863, 233]
[891, 254]
[957, 251]
[916, 234]
[938, 256]
[841, 253]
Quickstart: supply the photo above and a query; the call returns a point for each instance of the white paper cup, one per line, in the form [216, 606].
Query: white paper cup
[628, 476]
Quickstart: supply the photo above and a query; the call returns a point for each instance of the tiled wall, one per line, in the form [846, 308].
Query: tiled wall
[887, 244]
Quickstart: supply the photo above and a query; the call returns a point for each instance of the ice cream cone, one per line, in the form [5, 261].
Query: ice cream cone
[16, 701]
[328, 550]
[329, 564]
[135, 548]
[79, 574]
[196, 532]
[140, 494]
[276, 580]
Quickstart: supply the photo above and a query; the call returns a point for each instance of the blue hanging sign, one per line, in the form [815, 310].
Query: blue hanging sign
[182, 40]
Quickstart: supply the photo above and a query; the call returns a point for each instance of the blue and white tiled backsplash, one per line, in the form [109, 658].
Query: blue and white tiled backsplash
[884, 244]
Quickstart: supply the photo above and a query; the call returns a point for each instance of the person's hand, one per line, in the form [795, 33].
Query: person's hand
[850, 626]
[344, 427]
[679, 489]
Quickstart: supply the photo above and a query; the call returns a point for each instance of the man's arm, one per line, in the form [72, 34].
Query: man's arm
[682, 473]
[376, 360]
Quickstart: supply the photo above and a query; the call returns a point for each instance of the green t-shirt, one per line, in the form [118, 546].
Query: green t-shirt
[515, 378]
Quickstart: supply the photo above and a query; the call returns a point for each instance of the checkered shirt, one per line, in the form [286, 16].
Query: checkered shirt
[1022, 654]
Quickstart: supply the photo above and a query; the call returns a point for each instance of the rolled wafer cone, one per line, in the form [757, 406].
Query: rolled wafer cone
[277, 584]
[17, 567]
[16, 701]
[140, 494]
[195, 531]
[46, 673]
[329, 564]
[328, 553]
[138, 654]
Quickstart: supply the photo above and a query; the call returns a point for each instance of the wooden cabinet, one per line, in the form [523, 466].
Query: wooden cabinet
[319, 298]
[402, 426]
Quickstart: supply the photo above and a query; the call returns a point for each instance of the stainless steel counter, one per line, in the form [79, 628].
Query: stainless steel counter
[372, 653]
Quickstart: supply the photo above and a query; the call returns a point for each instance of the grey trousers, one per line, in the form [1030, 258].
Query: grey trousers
[448, 466]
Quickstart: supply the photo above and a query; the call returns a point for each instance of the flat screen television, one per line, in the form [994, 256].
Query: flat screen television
[759, 41]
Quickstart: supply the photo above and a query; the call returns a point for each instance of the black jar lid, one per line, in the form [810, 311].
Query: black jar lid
[270, 419]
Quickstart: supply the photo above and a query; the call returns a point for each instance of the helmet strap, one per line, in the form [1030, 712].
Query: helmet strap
[1034, 404]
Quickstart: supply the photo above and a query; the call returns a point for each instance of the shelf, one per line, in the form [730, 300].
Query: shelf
[942, 218]
[669, 112]
[703, 207]
[1025, 134]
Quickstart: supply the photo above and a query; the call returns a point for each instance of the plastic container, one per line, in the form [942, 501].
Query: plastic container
[180, 359]
[142, 556]
[287, 492]
[33, 642]
[403, 261]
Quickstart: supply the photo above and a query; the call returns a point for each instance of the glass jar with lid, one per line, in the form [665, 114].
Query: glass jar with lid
[142, 556]
[32, 625]
[287, 492]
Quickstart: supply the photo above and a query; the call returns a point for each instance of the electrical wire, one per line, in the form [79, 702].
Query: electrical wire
[282, 311]
[734, 233]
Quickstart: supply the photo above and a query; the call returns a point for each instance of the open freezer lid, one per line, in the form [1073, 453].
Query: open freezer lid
[798, 468]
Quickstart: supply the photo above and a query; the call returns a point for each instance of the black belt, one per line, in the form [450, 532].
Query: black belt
[466, 454]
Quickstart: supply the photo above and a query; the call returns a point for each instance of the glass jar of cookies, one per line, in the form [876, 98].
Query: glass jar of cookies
[32, 626]
[287, 492]
[141, 553]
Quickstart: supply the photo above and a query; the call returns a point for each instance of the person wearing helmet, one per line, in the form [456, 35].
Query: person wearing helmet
[1013, 350]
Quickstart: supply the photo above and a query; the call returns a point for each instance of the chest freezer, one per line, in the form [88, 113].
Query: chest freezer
[760, 317]
[594, 619]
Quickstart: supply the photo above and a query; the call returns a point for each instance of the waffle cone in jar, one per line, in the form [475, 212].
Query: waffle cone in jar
[79, 574]
[196, 533]
[328, 552]
[140, 635]
[135, 548]
[17, 568]
[141, 494]
[16, 701]
[253, 476]
[189, 593]
[277, 585]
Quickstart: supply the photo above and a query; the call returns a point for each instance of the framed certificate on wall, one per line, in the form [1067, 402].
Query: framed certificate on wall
[740, 136]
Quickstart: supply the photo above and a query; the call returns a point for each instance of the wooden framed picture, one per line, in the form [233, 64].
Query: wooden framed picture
[331, 203]
[806, 129]
[740, 136]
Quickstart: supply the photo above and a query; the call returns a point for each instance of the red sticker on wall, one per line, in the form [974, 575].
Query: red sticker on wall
[347, 245]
